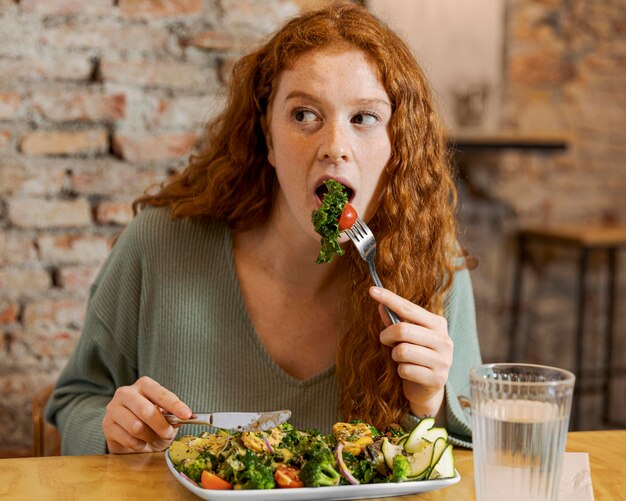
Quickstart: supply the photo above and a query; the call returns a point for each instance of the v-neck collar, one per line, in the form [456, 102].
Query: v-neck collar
[251, 331]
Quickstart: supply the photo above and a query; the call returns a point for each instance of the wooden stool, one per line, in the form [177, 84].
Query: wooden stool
[46, 438]
[586, 239]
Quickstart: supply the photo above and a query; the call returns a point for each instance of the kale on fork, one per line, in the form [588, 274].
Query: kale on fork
[326, 220]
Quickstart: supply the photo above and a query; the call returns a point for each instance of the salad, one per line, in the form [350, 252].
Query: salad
[284, 457]
[333, 216]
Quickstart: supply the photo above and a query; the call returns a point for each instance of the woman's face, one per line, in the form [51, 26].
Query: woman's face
[329, 119]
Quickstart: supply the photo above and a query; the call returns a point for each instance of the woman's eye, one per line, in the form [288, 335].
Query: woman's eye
[305, 116]
[365, 119]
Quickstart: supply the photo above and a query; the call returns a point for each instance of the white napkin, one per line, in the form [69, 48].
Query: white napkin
[576, 478]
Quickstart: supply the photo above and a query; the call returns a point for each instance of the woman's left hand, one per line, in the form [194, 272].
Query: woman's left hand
[422, 348]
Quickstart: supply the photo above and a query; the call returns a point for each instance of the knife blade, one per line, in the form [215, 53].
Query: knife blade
[234, 421]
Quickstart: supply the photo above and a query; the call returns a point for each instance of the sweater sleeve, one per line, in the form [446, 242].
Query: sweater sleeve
[105, 356]
[461, 317]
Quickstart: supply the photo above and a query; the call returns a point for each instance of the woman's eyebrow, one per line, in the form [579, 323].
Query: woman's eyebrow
[304, 95]
[359, 102]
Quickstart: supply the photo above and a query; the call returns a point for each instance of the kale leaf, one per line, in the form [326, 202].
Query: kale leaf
[326, 220]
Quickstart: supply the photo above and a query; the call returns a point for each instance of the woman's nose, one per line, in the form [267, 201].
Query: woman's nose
[335, 144]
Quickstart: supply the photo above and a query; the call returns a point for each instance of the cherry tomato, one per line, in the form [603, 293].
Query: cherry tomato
[287, 477]
[348, 217]
[210, 480]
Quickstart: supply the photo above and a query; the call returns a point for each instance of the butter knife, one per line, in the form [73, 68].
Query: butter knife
[234, 421]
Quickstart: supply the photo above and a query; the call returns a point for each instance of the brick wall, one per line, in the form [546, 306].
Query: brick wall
[100, 99]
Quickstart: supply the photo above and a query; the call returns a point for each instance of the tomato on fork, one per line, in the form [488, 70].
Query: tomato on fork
[348, 217]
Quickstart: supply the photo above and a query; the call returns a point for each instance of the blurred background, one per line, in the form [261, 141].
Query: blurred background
[101, 99]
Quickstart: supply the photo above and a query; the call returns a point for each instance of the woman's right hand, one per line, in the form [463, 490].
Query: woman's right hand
[134, 422]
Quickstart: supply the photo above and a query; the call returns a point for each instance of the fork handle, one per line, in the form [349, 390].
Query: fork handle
[392, 316]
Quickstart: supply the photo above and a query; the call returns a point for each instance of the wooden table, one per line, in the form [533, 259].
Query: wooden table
[145, 476]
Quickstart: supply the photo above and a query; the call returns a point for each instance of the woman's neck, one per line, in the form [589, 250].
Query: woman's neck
[289, 258]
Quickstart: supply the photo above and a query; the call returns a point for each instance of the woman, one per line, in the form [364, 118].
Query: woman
[212, 300]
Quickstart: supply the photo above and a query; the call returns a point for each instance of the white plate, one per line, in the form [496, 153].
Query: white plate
[322, 493]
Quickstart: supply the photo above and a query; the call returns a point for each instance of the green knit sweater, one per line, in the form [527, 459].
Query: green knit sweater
[167, 304]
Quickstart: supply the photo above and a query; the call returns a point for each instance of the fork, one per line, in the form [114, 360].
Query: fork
[365, 242]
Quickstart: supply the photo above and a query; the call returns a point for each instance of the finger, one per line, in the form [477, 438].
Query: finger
[120, 441]
[136, 427]
[163, 398]
[407, 310]
[145, 411]
[421, 375]
[155, 399]
[417, 355]
[405, 332]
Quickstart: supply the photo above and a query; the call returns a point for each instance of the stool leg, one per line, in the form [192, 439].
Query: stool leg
[608, 335]
[517, 294]
[580, 329]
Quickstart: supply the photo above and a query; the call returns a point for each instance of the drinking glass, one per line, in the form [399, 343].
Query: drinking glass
[520, 415]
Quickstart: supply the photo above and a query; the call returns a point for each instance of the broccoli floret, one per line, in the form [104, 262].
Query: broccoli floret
[193, 468]
[320, 470]
[255, 474]
[401, 468]
[291, 437]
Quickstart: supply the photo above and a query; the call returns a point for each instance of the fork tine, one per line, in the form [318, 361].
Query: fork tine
[358, 229]
[353, 236]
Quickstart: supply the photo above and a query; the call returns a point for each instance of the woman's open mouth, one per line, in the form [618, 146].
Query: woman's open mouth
[321, 191]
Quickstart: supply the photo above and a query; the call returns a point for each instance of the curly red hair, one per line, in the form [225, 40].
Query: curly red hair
[232, 181]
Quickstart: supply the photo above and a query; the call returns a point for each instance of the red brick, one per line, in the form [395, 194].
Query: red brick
[54, 313]
[114, 213]
[5, 139]
[68, 7]
[112, 177]
[159, 8]
[30, 179]
[38, 213]
[8, 312]
[65, 106]
[9, 105]
[16, 248]
[73, 248]
[83, 142]
[262, 17]
[213, 40]
[110, 36]
[68, 67]
[78, 278]
[189, 112]
[18, 281]
[136, 149]
[50, 346]
[6, 5]
[172, 75]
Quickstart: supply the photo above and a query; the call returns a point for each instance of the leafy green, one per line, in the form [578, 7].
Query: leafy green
[326, 220]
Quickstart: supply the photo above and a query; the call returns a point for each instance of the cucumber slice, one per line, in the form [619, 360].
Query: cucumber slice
[444, 468]
[389, 451]
[421, 462]
[439, 447]
[412, 443]
[434, 433]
